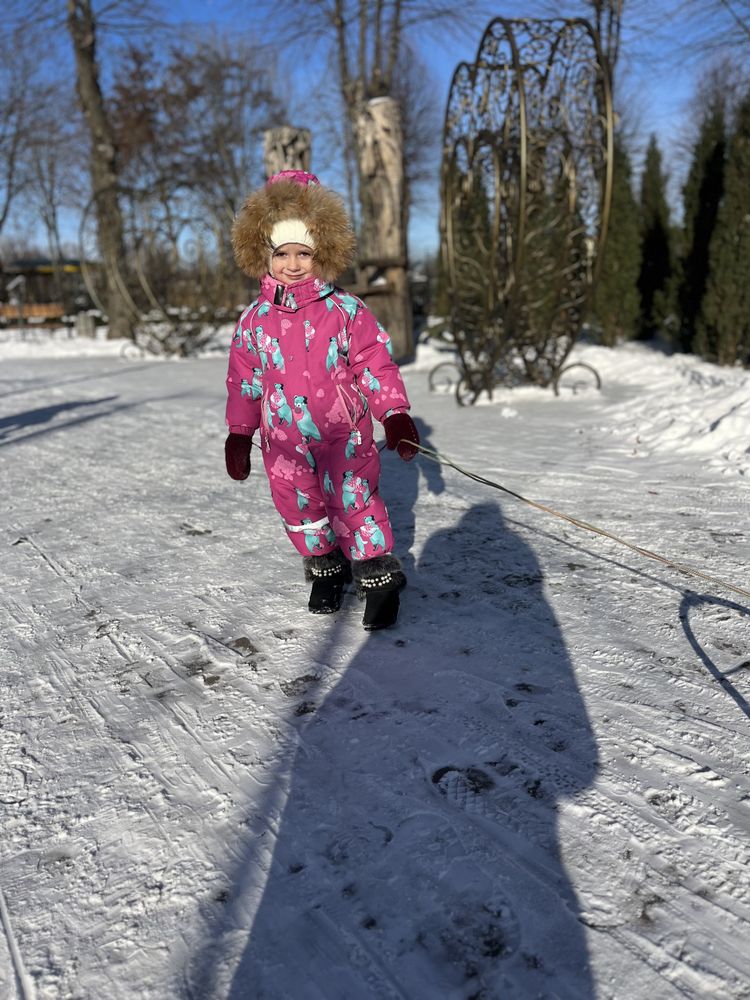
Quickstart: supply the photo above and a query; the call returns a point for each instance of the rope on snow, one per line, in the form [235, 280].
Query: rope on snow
[680, 567]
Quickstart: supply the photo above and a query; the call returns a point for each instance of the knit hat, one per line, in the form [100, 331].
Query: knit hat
[293, 207]
[290, 231]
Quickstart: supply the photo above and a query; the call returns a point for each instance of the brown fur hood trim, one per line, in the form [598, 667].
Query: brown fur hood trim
[321, 210]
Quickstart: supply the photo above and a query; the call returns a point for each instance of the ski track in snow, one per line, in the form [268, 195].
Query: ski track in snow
[535, 787]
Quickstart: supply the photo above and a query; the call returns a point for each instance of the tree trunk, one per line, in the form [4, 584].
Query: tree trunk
[104, 167]
[286, 148]
[382, 258]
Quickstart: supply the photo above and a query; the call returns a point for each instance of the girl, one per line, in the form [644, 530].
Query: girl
[308, 368]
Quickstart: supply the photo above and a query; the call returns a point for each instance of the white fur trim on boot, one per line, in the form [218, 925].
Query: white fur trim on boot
[330, 564]
[382, 573]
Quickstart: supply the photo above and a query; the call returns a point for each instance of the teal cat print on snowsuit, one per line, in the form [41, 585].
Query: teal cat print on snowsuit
[312, 537]
[332, 358]
[352, 489]
[352, 441]
[348, 492]
[256, 386]
[371, 531]
[361, 548]
[279, 403]
[369, 381]
[305, 422]
[384, 339]
[309, 333]
[304, 449]
[351, 304]
[264, 346]
[277, 358]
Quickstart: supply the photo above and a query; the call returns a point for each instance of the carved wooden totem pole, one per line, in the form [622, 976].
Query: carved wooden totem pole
[382, 263]
[286, 148]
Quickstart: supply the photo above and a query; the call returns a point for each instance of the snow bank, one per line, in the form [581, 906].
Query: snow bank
[61, 342]
[677, 404]
[655, 402]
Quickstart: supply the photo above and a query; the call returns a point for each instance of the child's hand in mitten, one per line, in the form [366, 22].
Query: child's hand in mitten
[400, 433]
[237, 455]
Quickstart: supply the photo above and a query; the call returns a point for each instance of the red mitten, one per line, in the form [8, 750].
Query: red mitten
[237, 455]
[399, 431]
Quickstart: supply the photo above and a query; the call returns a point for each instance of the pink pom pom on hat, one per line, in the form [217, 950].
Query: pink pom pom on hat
[301, 177]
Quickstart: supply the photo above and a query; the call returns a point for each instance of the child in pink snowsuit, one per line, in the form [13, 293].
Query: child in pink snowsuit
[309, 366]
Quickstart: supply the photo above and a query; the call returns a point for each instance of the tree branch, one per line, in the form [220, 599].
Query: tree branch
[394, 47]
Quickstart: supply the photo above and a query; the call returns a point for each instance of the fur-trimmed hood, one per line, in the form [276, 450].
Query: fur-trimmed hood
[322, 212]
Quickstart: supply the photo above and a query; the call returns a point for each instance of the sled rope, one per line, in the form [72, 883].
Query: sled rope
[680, 567]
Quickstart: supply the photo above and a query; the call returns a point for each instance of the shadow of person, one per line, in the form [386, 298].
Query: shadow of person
[45, 414]
[399, 484]
[416, 855]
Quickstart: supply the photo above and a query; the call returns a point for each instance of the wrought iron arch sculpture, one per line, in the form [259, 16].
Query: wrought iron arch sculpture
[526, 188]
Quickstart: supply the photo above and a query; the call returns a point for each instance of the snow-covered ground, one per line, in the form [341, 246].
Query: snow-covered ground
[534, 787]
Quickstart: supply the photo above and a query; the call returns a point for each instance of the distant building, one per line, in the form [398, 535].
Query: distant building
[39, 289]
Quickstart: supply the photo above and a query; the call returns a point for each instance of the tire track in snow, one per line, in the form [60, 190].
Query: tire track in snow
[24, 983]
[633, 826]
[138, 652]
[129, 736]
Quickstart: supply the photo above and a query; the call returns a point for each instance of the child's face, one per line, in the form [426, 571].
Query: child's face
[291, 262]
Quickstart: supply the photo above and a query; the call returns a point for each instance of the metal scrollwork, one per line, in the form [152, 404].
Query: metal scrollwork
[526, 189]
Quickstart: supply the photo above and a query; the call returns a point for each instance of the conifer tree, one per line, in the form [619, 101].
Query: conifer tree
[656, 257]
[724, 327]
[616, 303]
[702, 195]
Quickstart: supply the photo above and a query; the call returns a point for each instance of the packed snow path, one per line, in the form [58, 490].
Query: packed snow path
[535, 787]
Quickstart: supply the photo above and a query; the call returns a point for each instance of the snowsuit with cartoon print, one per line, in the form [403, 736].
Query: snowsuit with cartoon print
[309, 365]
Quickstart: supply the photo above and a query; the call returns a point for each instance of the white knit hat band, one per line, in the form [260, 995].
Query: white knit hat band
[291, 231]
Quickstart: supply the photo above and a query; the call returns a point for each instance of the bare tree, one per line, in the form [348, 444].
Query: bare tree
[607, 19]
[84, 23]
[189, 129]
[57, 172]
[368, 45]
[104, 165]
[20, 99]
[725, 23]
[219, 98]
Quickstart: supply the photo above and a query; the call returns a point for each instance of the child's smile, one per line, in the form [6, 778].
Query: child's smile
[291, 262]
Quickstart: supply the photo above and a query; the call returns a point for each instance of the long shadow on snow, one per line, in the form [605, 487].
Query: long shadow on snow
[416, 855]
[691, 623]
[35, 385]
[45, 414]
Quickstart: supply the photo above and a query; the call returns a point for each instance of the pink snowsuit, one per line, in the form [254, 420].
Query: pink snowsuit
[308, 365]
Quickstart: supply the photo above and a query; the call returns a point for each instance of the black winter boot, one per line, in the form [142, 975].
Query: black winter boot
[379, 581]
[329, 575]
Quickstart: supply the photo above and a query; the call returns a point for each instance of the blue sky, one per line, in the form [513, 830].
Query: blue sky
[657, 80]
